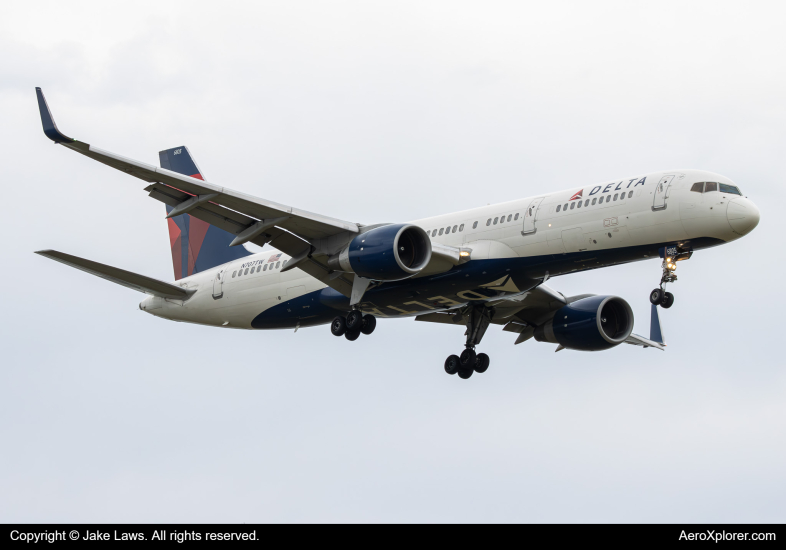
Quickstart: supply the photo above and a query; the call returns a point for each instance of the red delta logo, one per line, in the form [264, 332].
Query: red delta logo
[577, 195]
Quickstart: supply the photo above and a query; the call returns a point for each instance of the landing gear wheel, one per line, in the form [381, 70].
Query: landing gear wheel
[339, 326]
[465, 373]
[668, 300]
[352, 335]
[656, 296]
[468, 359]
[354, 321]
[452, 364]
[369, 324]
[482, 363]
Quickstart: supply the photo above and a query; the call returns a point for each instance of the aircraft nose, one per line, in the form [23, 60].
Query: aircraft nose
[743, 216]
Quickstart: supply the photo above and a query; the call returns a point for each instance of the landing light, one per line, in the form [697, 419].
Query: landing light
[464, 254]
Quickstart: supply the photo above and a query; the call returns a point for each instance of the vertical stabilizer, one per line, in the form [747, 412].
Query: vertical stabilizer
[196, 245]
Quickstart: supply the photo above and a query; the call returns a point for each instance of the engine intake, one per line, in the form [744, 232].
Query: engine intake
[387, 253]
[590, 324]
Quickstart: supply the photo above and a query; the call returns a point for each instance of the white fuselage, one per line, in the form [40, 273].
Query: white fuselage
[655, 208]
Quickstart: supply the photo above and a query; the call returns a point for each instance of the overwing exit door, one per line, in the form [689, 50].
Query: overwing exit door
[662, 193]
[530, 216]
[218, 285]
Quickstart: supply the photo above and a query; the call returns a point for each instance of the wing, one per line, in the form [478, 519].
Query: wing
[656, 339]
[521, 312]
[293, 231]
[122, 277]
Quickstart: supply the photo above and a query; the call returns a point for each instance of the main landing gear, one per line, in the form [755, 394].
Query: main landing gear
[478, 319]
[659, 296]
[353, 325]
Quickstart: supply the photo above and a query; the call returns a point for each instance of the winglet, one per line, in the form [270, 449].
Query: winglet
[50, 128]
[656, 334]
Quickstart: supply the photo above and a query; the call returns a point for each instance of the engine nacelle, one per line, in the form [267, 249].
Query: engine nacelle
[387, 253]
[590, 324]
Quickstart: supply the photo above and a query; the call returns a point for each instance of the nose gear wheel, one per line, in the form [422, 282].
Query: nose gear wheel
[659, 296]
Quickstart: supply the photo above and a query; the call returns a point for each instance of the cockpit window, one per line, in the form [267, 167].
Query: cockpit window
[698, 187]
[710, 186]
[729, 189]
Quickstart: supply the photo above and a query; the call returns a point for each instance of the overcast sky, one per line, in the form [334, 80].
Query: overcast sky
[386, 112]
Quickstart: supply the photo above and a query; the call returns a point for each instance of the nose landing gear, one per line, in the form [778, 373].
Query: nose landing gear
[478, 319]
[659, 296]
[353, 325]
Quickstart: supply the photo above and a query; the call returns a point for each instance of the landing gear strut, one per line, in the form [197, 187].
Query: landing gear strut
[659, 296]
[478, 319]
[353, 325]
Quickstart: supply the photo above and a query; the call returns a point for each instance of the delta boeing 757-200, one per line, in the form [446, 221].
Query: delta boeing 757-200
[475, 268]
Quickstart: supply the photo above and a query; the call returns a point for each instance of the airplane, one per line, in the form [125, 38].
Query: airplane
[473, 269]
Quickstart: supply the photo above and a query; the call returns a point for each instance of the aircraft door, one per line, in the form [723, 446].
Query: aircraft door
[530, 216]
[662, 192]
[218, 285]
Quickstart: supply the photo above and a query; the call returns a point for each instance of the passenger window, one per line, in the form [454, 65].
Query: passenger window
[616, 195]
[233, 274]
[572, 205]
[729, 189]
[630, 194]
[278, 264]
[434, 233]
[510, 217]
[710, 186]
[698, 187]
[264, 268]
[461, 227]
[495, 220]
[578, 204]
[475, 225]
[594, 201]
[565, 207]
[586, 203]
[454, 229]
[516, 217]
[441, 231]
[559, 207]
[245, 272]
[488, 222]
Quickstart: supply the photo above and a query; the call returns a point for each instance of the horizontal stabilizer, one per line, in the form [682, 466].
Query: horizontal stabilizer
[128, 279]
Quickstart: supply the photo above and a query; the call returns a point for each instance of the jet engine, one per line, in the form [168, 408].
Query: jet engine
[386, 253]
[590, 324]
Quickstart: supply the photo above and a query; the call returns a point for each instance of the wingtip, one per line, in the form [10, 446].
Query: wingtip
[50, 128]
